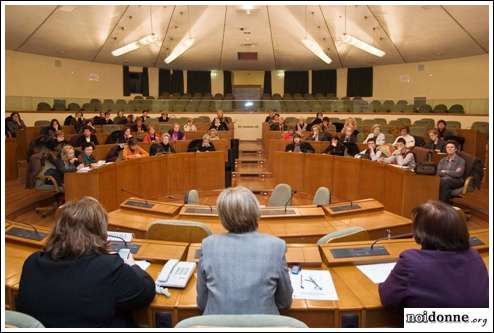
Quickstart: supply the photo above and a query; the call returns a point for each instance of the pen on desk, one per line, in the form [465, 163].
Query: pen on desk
[301, 281]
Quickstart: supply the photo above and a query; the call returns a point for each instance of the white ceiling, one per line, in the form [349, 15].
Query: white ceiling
[405, 33]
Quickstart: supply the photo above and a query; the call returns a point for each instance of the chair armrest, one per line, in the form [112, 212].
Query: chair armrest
[466, 185]
[53, 180]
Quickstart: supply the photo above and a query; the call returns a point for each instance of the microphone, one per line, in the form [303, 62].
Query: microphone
[135, 195]
[388, 236]
[290, 199]
[123, 240]
[32, 227]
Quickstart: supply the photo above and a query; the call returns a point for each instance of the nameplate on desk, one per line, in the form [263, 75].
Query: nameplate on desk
[24, 233]
[201, 210]
[359, 252]
[140, 204]
[345, 208]
[116, 246]
[475, 241]
[280, 211]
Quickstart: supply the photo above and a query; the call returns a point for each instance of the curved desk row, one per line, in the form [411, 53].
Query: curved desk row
[358, 298]
[398, 189]
[149, 178]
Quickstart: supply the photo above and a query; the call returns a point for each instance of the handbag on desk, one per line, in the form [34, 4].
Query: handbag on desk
[426, 168]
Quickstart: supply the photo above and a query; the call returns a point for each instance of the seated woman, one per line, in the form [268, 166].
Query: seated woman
[130, 119]
[213, 134]
[316, 121]
[442, 131]
[269, 117]
[297, 146]
[175, 133]
[133, 151]
[139, 126]
[301, 125]
[80, 282]
[335, 147]
[87, 137]
[53, 128]
[151, 136]
[402, 156]
[120, 119]
[163, 118]
[201, 145]
[13, 124]
[445, 273]
[317, 135]
[125, 135]
[379, 138]
[325, 125]
[405, 134]
[219, 124]
[189, 126]
[278, 123]
[164, 147]
[86, 158]
[350, 122]
[371, 153]
[349, 140]
[288, 135]
[67, 162]
[227, 283]
[436, 143]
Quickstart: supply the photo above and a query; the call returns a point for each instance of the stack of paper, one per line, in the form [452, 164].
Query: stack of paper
[377, 273]
[314, 285]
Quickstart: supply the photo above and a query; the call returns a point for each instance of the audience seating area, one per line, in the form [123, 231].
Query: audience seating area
[287, 103]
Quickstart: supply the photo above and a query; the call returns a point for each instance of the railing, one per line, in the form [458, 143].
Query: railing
[308, 104]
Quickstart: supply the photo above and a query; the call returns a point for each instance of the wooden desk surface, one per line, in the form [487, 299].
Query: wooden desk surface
[308, 227]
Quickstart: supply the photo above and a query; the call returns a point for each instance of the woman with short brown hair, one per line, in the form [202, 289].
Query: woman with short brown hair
[75, 281]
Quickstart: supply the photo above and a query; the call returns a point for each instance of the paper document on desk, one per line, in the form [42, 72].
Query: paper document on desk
[143, 264]
[377, 273]
[313, 285]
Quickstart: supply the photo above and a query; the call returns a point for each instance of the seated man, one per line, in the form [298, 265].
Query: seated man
[87, 137]
[164, 147]
[402, 156]
[298, 146]
[451, 169]
[349, 140]
[133, 150]
[317, 135]
[371, 153]
[436, 143]
[199, 145]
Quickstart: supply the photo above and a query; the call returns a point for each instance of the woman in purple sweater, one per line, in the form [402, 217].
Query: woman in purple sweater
[445, 273]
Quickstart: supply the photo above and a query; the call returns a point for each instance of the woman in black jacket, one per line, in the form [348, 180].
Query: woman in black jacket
[75, 281]
[299, 146]
[335, 147]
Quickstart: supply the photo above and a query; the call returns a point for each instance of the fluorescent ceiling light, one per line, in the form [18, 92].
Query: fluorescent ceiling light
[362, 45]
[316, 49]
[181, 47]
[146, 40]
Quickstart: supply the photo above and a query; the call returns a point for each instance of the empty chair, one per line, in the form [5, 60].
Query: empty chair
[43, 106]
[178, 231]
[387, 106]
[21, 320]
[425, 108]
[191, 197]
[59, 105]
[281, 195]
[472, 178]
[374, 106]
[440, 108]
[453, 124]
[481, 126]
[73, 107]
[258, 320]
[350, 234]
[456, 108]
[41, 123]
[404, 121]
[322, 196]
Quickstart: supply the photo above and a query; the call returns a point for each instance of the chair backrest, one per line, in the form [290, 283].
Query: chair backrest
[456, 108]
[192, 197]
[178, 231]
[350, 234]
[21, 320]
[241, 321]
[41, 123]
[322, 196]
[281, 194]
[43, 106]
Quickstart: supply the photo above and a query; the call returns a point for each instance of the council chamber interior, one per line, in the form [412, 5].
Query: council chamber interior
[247, 165]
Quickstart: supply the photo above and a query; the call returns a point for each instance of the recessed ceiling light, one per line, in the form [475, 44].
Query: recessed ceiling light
[67, 9]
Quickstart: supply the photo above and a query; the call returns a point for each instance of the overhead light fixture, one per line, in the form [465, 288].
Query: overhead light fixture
[146, 40]
[316, 49]
[248, 8]
[348, 39]
[181, 47]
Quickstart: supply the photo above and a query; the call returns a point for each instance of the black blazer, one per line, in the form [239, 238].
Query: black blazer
[90, 291]
[305, 147]
[339, 150]
[82, 140]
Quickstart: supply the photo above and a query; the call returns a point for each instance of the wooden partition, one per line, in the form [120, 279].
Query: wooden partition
[10, 159]
[149, 178]
[400, 190]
